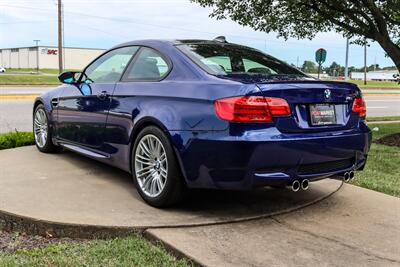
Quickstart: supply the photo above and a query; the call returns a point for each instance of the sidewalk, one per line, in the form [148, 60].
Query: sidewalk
[354, 227]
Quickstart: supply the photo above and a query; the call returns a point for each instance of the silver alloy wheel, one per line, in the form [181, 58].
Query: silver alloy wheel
[151, 165]
[40, 127]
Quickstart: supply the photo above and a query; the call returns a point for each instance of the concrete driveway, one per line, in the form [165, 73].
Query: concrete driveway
[353, 227]
[329, 225]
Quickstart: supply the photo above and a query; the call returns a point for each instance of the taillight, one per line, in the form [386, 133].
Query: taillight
[360, 107]
[251, 108]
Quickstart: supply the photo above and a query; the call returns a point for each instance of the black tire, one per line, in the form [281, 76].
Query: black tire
[48, 146]
[175, 188]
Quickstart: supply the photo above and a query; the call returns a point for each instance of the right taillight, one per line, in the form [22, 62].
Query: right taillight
[360, 107]
[251, 108]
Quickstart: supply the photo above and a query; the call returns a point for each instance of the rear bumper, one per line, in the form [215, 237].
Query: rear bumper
[267, 157]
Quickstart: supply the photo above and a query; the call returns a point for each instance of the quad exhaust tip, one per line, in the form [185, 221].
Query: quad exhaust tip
[304, 184]
[348, 176]
[296, 186]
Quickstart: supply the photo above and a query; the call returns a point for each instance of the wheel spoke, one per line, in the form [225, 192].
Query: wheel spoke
[145, 150]
[40, 128]
[141, 174]
[159, 183]
[151, 165]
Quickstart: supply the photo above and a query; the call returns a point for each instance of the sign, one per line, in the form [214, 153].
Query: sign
[48, 51]
[320, 56]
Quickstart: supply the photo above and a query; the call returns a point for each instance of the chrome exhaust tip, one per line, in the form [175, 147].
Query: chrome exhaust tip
[346, 177]
[304, 184]
[295, 186]
[351, 175]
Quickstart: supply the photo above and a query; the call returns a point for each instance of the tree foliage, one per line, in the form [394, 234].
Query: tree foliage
[377, 20]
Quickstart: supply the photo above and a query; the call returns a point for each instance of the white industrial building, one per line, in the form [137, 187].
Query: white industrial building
[378, 75]
[46, 57]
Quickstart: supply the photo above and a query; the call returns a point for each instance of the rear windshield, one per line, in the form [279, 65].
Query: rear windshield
[225, 59]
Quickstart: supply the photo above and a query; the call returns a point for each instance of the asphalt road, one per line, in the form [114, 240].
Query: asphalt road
[382, 106]
[16, 114]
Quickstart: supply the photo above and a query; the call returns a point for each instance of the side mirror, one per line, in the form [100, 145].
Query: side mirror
[69, 77]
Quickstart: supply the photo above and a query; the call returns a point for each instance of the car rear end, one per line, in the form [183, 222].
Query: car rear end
[285, 132]
[288, 127]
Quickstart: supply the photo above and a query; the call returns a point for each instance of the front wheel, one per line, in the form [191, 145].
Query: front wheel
[42, 131]
[155, 169]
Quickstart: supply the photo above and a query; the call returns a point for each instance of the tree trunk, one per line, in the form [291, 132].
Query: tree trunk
[392, 50]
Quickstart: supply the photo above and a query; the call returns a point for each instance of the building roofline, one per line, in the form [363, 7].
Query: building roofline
[52, 46]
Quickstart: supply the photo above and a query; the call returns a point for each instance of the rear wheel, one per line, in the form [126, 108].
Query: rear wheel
[155, 170]
[42, 131]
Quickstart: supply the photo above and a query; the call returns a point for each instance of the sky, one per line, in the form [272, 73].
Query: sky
[105, 23]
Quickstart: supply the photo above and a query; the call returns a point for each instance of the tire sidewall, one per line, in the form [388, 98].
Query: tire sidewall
[174, 178]
[49, 143]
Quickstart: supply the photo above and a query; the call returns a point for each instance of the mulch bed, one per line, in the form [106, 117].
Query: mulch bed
[389, 140]
[12, 241]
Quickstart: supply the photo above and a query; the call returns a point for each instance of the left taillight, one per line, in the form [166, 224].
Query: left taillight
[360, 107]
[251, 108]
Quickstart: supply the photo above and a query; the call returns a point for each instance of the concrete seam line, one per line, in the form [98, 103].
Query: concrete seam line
[179, 254]
[250, 218]
[11, 221]
[293, 228]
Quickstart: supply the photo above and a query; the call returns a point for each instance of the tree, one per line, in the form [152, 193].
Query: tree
[309, 67]
[335, 69]
[378, 20]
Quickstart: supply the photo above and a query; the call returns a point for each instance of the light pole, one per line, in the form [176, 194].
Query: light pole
[60, 37]
[365, 62]
[37, 55]
[346, 66]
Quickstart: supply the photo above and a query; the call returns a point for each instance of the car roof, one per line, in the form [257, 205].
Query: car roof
[158, 42]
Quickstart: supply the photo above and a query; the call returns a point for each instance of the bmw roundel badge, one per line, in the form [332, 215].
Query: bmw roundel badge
[327, 93]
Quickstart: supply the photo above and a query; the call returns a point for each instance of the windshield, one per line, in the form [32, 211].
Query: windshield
[226, 59]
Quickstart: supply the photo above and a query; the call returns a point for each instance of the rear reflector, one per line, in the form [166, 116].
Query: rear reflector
[251, 108]
[360, 107]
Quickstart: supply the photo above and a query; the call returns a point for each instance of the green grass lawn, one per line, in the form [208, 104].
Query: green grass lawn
[382, 172]
[16, 139]
[28, 79]
[128, 251]
[376, 84]
[46, 71]
[389, 118]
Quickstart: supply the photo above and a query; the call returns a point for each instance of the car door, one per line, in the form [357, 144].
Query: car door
[141, 81]
[83, 107]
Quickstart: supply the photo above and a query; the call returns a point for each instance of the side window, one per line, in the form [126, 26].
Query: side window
[149, 65]
[255, 67]
[109, 67]
[219, 63]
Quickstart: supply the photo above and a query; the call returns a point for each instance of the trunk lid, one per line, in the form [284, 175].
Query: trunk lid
[310, 101]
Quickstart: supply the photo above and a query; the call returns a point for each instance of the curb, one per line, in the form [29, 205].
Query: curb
[171, 249]
[17, 97]
[381, 94]
[383, 122]
[178, 253]
[14, 222]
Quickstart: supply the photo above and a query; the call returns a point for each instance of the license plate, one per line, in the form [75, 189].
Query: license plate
[322, 114]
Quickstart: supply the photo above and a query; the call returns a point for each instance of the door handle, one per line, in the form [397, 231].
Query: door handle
[103, 95]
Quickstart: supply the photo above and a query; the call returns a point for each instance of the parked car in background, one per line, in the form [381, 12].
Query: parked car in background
[204, 114]
[2, 69]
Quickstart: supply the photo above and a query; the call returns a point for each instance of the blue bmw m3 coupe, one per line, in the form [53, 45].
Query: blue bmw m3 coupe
[181, 114]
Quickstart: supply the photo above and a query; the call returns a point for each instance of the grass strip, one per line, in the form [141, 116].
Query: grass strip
[16, 139]
[128, 251]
